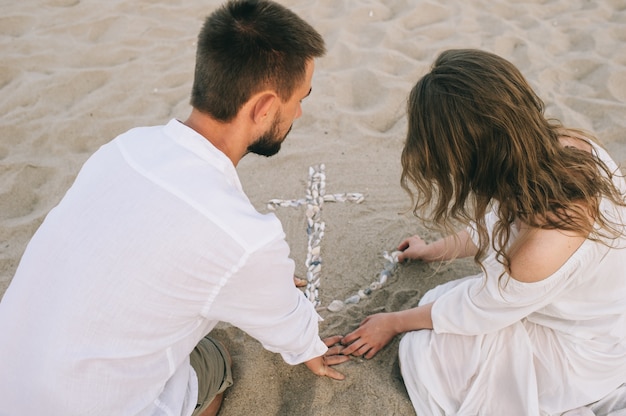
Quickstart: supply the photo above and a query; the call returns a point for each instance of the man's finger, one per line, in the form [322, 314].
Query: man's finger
[336, 359]
[337, 349]
[334, 374]
[299, 282]
[330, 341]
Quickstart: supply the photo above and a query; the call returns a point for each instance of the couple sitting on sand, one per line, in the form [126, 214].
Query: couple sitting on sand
[155, 243]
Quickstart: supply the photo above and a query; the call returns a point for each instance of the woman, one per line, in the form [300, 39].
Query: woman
[542, 330]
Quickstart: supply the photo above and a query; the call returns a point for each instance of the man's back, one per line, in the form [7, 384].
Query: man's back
[113, 291]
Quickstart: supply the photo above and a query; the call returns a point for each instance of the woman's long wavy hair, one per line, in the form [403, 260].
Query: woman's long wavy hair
[478, 138]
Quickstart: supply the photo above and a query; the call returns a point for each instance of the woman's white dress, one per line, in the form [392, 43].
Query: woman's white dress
[525, 348]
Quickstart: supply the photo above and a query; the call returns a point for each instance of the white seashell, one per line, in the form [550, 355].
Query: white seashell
[362, 294]
[315, 251]
[336, 306]
[375, 285]
[383, 278]
[352, 299]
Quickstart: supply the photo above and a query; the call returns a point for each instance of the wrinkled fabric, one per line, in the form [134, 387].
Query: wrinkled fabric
[151, 247]
[501, 346]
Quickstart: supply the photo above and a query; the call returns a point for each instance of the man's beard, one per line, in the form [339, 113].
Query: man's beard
[269, 143]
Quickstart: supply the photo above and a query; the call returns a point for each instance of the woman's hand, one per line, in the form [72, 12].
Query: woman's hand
[451, 247]
[414, 248]
[371, 336]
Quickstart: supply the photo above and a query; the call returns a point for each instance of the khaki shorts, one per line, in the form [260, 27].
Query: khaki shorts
[209, 361]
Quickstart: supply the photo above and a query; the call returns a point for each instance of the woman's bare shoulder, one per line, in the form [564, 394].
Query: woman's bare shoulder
[539, 253]
[570, 138]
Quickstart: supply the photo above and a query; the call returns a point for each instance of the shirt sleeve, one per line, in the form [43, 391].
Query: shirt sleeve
[481, 305]
[493, 300]
[261, 299]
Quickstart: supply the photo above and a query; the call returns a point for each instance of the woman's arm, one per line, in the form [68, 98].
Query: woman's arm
[451, 247]
[378, 330]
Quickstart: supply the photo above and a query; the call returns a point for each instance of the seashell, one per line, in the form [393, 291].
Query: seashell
[352, 299]
[312, 210]
[383, 278]
[336, 306]
[315, 251]
[362, 294]
[375, 285]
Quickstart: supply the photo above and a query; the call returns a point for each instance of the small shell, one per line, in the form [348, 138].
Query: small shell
[375, 285]
[353, 299]
[362, 294]
[383, 278]
[335, 306]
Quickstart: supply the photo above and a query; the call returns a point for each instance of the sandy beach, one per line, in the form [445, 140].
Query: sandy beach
[75, 74]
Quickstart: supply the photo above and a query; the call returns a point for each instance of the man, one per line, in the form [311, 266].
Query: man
[155, 243]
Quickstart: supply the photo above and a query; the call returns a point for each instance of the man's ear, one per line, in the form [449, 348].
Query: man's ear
[262, 105]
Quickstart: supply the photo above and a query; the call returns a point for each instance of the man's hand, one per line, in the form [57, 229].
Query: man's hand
[371, 336]
[299, 282]
[321, 366]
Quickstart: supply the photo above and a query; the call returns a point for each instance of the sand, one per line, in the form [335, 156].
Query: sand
[74, 74]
